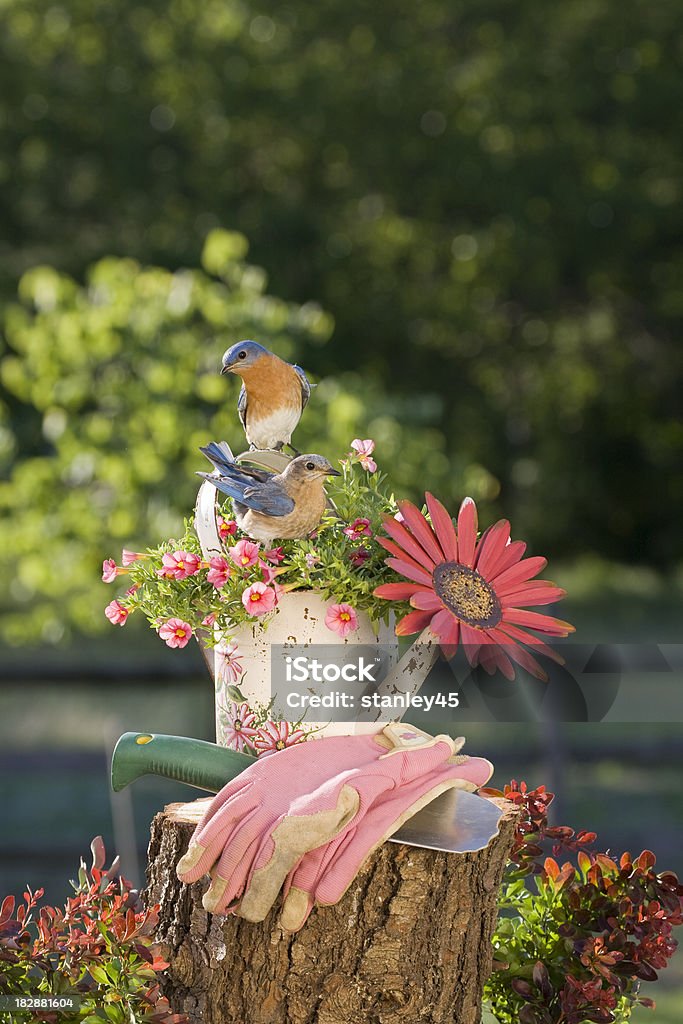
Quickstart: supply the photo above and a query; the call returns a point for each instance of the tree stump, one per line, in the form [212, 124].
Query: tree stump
[410, 942]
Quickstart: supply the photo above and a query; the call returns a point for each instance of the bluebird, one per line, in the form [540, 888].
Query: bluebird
[272, 506]
[272, 397]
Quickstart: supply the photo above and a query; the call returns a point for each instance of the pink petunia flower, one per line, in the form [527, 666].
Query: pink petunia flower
[110, 570]
[259, 599]
[231, 663]
[116, 613]
[359, 528]
[175, 633]
[359, 557]
[240, 731]
[268, 572]
[245, 553]
[179, 565]
[341, 619]
[274, 736]
[219, 571]
[128, 557]
[275, 555]
[226, 527]
[365, 449]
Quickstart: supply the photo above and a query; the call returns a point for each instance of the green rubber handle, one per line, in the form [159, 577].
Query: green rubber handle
[195, 762]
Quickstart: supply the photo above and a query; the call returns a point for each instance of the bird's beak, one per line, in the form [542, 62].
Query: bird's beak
[333, 472]
[227, 368]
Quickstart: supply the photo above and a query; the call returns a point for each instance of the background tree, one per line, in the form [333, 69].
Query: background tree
[486, 200]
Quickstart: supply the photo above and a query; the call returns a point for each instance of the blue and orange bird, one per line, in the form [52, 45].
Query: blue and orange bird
[272, 397]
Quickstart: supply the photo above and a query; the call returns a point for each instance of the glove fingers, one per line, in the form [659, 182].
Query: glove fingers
[232, 820]
[284, 847]
[228, 876]
[302, 883]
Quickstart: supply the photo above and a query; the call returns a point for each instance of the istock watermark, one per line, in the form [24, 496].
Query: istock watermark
[596, 682]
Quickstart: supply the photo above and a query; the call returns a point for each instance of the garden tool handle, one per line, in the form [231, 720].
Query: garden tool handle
[194, 762]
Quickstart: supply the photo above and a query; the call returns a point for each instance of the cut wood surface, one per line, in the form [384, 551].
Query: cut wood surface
[410, 942]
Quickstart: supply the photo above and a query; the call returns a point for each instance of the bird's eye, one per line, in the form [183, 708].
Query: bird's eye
[242, 355]
[310, 465]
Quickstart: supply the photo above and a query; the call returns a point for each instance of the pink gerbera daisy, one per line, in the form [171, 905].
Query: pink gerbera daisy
[274, 736]
[468, 591]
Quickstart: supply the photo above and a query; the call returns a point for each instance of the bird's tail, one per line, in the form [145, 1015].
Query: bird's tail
[229, 476]
[219, 453]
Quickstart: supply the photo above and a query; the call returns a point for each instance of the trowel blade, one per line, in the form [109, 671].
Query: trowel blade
[456, 822]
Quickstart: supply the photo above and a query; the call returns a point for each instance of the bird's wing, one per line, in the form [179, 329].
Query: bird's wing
[225, 484]
[242, 406]
[305, 386]
[226, 465]
[269, 498]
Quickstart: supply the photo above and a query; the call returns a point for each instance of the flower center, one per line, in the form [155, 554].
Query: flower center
[180, 633]
[467, 594]
[237, 725]
[255, 597]
[280, 745]
[345, 617]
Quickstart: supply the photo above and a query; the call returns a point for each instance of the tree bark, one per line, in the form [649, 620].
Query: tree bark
[410, 942]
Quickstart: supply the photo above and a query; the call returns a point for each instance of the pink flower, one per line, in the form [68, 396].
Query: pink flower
[275, 555]
[128, 557]
[268, 572]
[179, 565]
[274, 736]
[219, 571]
[175, 632]
[245, 553]
[341, 619]
[209, 620]
[116, 613]
[259, 599]
[359, 557]
[239, 730]
[231, 663]
[365, 450]
[110, 570]
[226, 527]
[132, 590]
[359, 528]
[311, 559]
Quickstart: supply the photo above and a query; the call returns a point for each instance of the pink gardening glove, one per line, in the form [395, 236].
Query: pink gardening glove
[263, 822]
[323, 875]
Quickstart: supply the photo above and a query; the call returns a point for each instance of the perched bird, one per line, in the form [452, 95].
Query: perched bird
[272, 506]
[272, 397]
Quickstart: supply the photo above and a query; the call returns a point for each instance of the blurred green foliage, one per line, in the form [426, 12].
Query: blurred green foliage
[487, 199]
